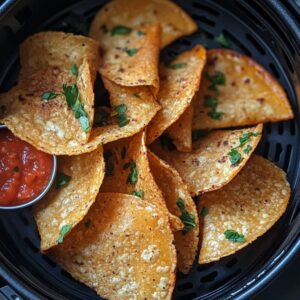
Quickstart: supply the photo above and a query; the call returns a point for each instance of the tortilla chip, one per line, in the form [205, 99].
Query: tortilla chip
[175, 22]
[123, 249]
[68, 205]
[181, 131]
[214, 159]
[173, 189]
[49, 125]
[57, 49]
[249, 206]
[131, 59]
[249, 96]
[122, 153]
[179, 82]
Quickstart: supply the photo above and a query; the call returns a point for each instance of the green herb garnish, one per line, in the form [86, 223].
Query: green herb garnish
[62, 180]
[177, 66]
[131, 51]
[216, 79]
[210, 101]
[101, 117]
[215, 115]
[187, 219]
[49, 95]
[234, 156]
[120, 113]
[71, 94]
[234, 236]
[140, 33]
[223, 40]
[133, 174]
[204, 211]
[74, 70]
[121, 30]
[139, 193]
[245, 138]
[248, 149]
[63, 231]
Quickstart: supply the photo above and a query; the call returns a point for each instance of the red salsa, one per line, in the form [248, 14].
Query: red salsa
[24, 170]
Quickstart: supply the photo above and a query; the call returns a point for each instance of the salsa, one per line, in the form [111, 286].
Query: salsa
[24, 170]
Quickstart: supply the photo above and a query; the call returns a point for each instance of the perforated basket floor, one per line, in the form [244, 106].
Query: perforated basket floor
[252, 30]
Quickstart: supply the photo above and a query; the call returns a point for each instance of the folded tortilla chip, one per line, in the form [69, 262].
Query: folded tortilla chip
[58, 49]
[77, 184]
[243, 210]
[123, 249]
[37, 111]
[236, 91]
[181, 131]
[174, 190]
[215, 160]
[128, 172]
[131, 14]
[130, 59]
[179, 82]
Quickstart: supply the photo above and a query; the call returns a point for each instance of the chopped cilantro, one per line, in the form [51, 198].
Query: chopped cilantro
[223, 40]
[131, 51]
[215, 115]
[63, 231]
[248, 149]
[121, 30]
[74, 70]
[16, 169]
[234, 236]
[140, 33]
[101, 117]
[166, 142]
[49, 95]
[120, 113]
[104, 28]
[62, 180]
[123, 152]
[234, 156]
[109, 166]
[197, 134]
[133, 174]
[210, 101]
[204, 211]
[187, 219]
[177, 66]
[216, 79]
[139, 193]
[245, 138]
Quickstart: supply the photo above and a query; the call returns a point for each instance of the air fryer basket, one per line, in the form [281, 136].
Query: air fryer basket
[265, 30]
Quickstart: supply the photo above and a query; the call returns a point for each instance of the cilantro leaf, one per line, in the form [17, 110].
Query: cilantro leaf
[245, 138]
[101, 117]
[71, 94]
[140, 33]
[234, 156]
[63, 231]
[138, 193]
[210, 101]
[187, 219]
[223, 40]
[85, 123]
[121, 30]
[204, 211]
[177, 66]
[133, 174]
[234, 236]
[248, 149]
[131, 51]
[49, 95]
[62, 180]
[74, 70]
[120, 113]
[215, 115]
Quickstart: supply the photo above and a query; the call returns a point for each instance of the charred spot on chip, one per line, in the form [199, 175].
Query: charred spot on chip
[260, 100]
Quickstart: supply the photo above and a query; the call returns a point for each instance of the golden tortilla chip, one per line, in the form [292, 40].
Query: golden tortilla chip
[179, 82]
[77, 185]
[174, 190]
[215, 160]
[181, 131]
[123, 249]
[175, 22]
[247, 95]
[128, 172]
[131, 59]
[243, 210]
[58, 49]
[49, 124]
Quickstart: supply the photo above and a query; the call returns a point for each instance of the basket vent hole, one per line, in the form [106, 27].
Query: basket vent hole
[278, 151]
[31, 245]
[204, 20]
[288, 152]
[49, 261]
[210, 277]
[280, 128]
[292, 128]
[256, 44]
[185, 286]
[237, 42]
[225, 280]
[274, 70]
[266, 149]
[268, 128]
[231, 263]
[23, 15]
[185, 42]
[202, 268]
[206, 8]
[186, 296]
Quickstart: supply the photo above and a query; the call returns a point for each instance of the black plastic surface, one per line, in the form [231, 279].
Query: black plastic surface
[264, 30]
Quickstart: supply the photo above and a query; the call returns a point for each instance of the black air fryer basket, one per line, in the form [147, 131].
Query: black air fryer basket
[267, 31]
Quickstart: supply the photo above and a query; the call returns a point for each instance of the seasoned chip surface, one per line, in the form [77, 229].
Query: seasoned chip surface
[179, 82]
[131, 59]
[131, 173]
[173, 189]
[174, 21]
[123, 249]
[49, 125]
[69, 204]
[250, 204]
[250, 95]
[209, 167]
